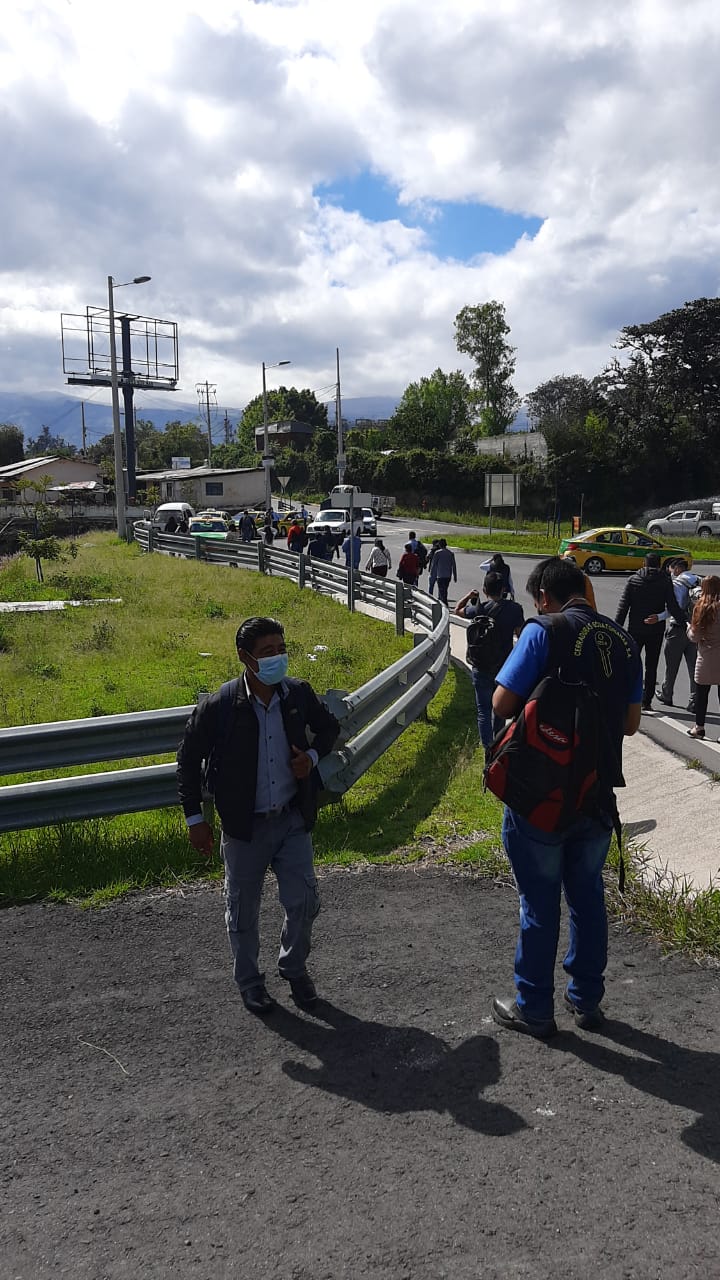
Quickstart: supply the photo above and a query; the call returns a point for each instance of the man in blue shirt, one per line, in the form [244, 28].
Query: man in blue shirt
[352, 546]
[593, 649]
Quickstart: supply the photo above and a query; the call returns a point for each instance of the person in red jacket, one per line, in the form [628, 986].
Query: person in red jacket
[409, 567]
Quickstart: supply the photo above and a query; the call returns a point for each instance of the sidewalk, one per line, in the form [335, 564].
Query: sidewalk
[667, 806]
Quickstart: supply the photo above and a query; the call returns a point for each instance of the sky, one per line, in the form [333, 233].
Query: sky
[298, 176]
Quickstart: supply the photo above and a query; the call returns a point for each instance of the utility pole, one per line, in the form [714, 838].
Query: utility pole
[205, 390]
[84, 440]
[226, 425]
[338, 421]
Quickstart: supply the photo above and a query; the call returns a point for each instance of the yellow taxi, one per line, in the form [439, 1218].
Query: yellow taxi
[616, 549]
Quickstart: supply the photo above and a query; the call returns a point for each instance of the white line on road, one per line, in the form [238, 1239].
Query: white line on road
[679, 728]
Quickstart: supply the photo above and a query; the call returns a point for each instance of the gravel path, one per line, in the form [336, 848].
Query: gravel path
[152, 1128]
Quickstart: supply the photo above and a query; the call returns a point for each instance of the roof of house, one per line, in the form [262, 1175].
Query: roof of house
[194, 473]
[14, 469]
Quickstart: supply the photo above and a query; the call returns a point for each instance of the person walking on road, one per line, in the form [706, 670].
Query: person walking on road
[247, 527]
[297, 537]
[408, 567]
[254, 734]
[420, 550]
[317, 547]
[432, 573]
[678, 644]
[496, 564]
[332, 546]
[378, 562]
[494, 644]
[352, 547]
[704, 631]
[445, 569]
[648, 594]
[590, 648]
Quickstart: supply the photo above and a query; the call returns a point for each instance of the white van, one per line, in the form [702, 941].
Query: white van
[180, 510]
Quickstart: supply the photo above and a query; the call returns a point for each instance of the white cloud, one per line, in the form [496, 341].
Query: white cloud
[186, 142]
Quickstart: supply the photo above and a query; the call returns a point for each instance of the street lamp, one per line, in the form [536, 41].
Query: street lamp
[117, 437]
[267, 456]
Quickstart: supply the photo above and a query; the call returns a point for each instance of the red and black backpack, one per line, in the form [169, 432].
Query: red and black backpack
[544, 764]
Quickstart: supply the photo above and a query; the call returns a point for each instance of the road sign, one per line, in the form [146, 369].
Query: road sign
[501, 490]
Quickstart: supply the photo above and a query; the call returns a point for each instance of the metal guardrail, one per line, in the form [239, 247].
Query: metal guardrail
[371, 718]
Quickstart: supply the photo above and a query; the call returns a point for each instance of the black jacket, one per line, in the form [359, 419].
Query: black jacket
[647, 591]
[307, 724]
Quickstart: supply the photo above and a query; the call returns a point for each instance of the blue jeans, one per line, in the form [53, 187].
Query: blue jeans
[488, 723]
[283, 844]
[544, 863]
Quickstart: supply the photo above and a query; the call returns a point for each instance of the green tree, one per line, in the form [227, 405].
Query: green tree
[481, 332]
[283, 404]
[46, 445]
[560, 403]
[183, 440]
[42, 543]
[241, 453]
[11, 444]
[432, 411]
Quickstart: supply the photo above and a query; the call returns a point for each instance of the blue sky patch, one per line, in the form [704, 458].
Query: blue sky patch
[454, 230]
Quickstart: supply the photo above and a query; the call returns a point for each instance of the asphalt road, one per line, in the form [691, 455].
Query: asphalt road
[666, 725]
[152, 1128]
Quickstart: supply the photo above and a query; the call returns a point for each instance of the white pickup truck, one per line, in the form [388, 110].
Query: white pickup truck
[697, 523]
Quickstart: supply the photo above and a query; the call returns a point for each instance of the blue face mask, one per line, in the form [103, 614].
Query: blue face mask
[272, 670]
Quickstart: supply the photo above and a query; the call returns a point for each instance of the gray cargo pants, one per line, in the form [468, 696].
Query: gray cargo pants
[280, 842]
[678, 645]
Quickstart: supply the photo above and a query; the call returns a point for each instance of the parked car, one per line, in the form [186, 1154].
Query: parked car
[615, 548]
[369, 522]
[337, 521]
[697, 523]
[209, 526]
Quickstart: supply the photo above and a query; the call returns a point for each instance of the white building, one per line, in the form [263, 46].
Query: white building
[62, 470]
[206, 487]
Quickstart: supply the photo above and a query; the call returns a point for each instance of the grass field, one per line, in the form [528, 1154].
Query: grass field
[532, 538]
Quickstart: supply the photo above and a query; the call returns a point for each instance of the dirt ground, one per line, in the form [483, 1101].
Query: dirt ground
[152, 1128]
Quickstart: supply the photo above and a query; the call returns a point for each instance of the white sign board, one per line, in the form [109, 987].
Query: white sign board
[502, 490]
[180, 464]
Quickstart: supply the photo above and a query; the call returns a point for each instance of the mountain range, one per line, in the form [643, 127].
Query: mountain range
[62, 415]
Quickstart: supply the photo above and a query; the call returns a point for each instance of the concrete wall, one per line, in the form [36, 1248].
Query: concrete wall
[515, 444]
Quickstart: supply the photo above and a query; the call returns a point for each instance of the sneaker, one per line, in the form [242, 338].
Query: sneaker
[507, 1014]
[585, 1019]
[660, 697]
[695, 732]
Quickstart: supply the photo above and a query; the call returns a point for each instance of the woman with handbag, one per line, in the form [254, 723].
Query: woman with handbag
[379, 561]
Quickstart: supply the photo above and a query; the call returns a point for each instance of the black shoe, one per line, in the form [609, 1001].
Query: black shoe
[257, 1000]
[660, 697]
[507, 1014]
[585, 1019]
[303, 991]
[647, 706]
[691, 706]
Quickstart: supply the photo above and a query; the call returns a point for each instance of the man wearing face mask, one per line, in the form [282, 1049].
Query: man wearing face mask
[256, 733]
